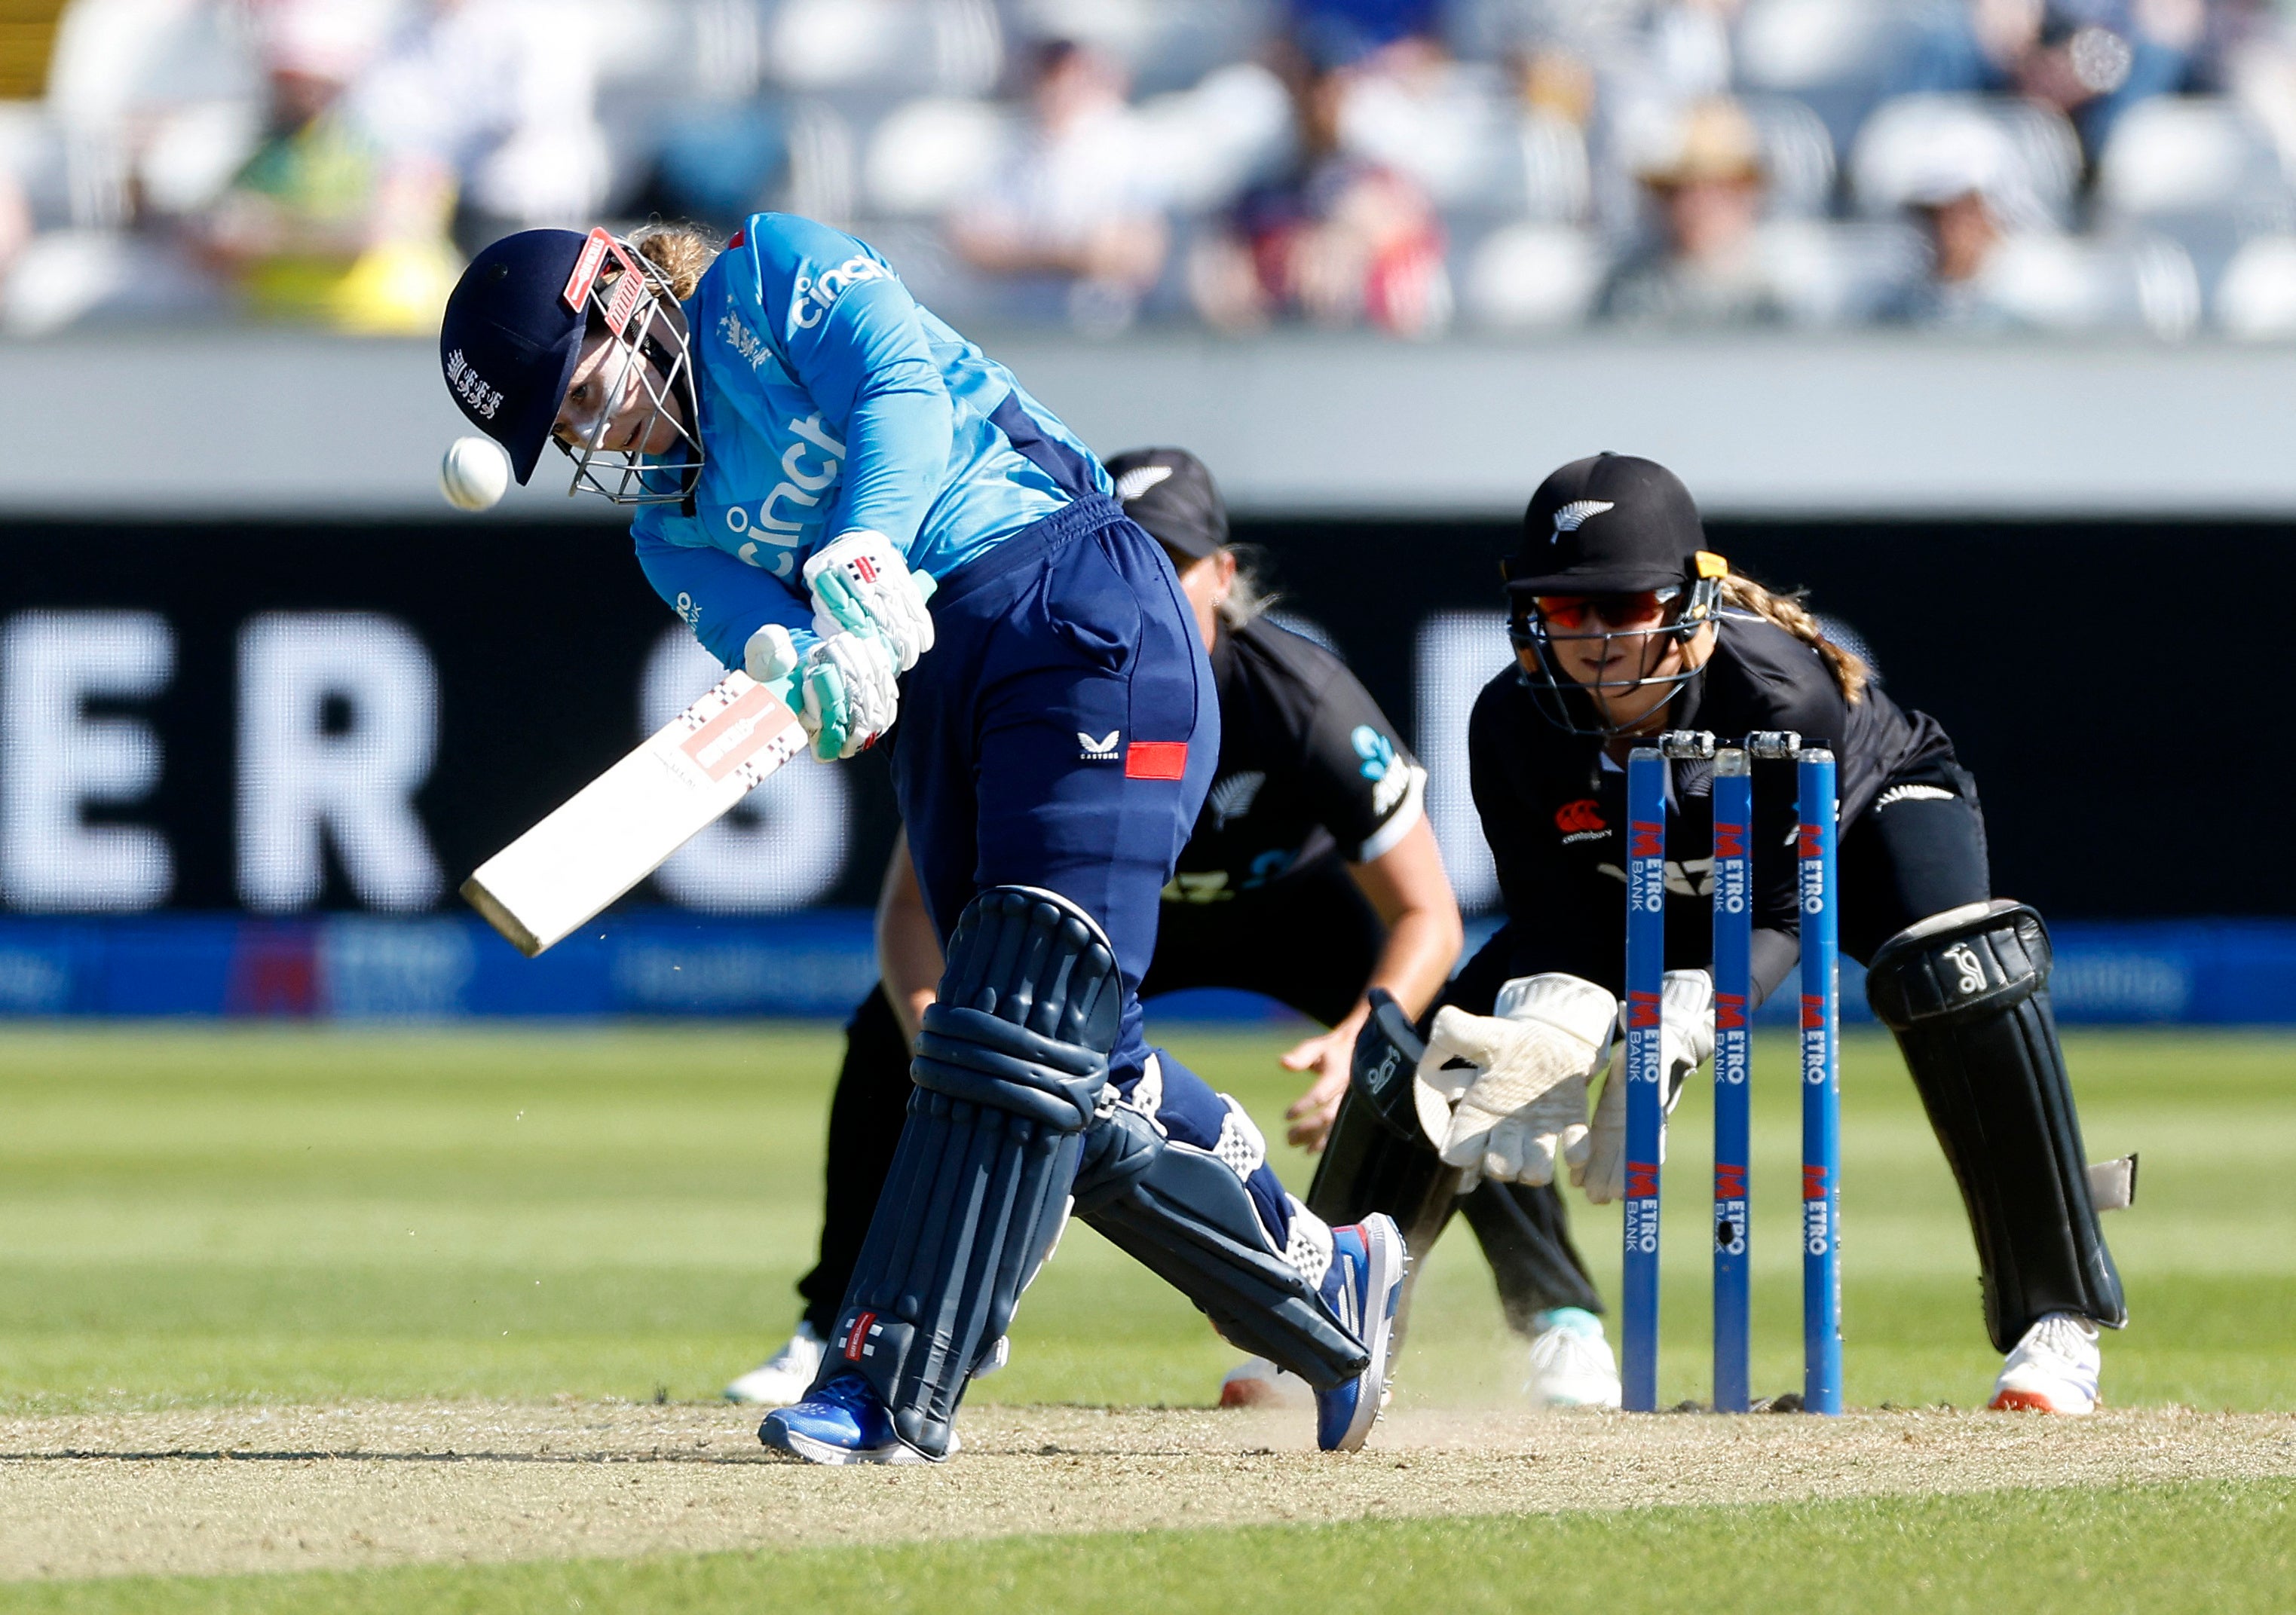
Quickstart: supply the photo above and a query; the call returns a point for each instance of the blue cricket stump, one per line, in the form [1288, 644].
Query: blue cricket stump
[1816, 887]
[1733, 1067]
[1821, 1085]
[1646, 781]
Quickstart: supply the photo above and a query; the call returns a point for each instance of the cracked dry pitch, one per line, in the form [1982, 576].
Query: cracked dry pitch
[308, 1487]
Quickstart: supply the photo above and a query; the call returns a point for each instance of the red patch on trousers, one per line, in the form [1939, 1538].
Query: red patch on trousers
[1155, 760]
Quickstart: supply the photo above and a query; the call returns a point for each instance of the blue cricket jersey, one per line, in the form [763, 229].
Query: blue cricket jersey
[831, 400]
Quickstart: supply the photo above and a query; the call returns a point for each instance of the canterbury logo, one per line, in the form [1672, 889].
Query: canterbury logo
[1139, 480]
[1573, 515]
[1581, 817]
[1104, 747]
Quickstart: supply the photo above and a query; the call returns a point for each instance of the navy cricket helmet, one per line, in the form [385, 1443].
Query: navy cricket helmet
[511, 336]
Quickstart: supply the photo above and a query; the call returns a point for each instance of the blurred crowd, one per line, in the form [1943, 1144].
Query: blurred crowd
[1407, 166]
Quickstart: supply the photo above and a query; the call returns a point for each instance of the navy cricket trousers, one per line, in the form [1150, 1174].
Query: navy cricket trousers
[1062, 733]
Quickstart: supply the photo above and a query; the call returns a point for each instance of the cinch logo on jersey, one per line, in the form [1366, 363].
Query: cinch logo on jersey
[807, 477]
[473, 391]
[806, 292]
[1581, 821]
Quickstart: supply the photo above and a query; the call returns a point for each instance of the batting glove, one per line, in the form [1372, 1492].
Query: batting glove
[1686, 1008]
[845, 689]
[861, 582]
[1525, 1103]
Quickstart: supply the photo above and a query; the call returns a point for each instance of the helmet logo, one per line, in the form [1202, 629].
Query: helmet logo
[463, 376]
[1573, 515]
[1138, 481]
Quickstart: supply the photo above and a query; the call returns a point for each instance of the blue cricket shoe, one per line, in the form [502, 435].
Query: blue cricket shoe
[839, 1422]
[1362, 1286]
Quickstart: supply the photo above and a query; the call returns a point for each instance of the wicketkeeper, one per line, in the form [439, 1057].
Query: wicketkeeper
[1625, 623]
[811, 452]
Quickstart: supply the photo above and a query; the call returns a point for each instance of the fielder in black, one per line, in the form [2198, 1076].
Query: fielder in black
[1624, 624]
[1311, 876]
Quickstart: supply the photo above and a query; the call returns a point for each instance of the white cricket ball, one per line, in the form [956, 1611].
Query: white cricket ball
[475, 474]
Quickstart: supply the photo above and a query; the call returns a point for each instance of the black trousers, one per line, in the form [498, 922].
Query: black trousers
[1308, 942]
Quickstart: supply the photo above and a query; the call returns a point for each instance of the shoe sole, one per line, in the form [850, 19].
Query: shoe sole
[1388, 1263]
[807, 1450]
[2032, 1401]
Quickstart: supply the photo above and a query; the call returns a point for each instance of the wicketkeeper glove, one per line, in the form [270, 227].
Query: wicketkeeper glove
[861, 582]
[1687, 1005]
[1525, 1107]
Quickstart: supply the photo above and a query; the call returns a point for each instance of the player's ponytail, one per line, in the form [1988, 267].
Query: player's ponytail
[679, 252]
[1249, 595]
[1787, 611]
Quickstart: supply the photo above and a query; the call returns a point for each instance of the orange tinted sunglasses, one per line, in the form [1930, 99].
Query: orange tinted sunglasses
[1637, 610]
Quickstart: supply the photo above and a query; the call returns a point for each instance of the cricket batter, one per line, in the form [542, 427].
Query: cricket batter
[1312, 877]
[814, 458]
[1625, 623]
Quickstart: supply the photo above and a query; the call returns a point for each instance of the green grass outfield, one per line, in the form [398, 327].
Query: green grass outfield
[199, 1216]
[2219, 1548]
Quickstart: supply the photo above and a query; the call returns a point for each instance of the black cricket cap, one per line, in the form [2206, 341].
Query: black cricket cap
[1168, 492]
[509, 340]
[1611, 524]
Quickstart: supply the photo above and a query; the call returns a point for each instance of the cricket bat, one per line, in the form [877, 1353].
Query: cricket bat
[623, 825]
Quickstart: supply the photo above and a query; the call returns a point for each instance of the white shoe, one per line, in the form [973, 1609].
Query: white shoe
[1570, 1362]
[781, 1379]
[2053, 1370]
[1257, 1383]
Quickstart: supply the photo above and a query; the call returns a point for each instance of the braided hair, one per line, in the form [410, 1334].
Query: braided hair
[1787, 611]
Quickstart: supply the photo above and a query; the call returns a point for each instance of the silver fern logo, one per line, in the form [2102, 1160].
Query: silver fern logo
[1138, 481]
[1233, 796]
[1572, 516]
